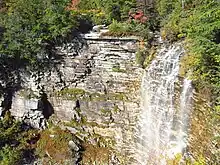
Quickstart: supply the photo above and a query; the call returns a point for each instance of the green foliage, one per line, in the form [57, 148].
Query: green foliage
[128, 28]
[72, 93]
[9, 133]
[140, 57]
[116, 13]
[107, 9]
[119, 27]
[13, 140]
[199, 23]
[145, 55]
[10, 129]
[165, 7]
[80, 94]
[31, 25]
[9, 156]
[116, 68]
[150, 54]
[32, 31]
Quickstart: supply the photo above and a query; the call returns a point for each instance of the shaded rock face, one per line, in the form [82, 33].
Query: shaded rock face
[45, 106]
[102, 80]
[35, 119]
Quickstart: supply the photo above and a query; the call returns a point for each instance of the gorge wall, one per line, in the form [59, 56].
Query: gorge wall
[99, 85]
[104, 98]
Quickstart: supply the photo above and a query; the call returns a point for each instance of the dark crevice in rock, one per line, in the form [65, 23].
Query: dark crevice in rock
[77, 105]
[8, 91]
[45, 106]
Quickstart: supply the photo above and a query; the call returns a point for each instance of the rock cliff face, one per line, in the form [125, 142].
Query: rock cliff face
[94, 92]
[99, 85]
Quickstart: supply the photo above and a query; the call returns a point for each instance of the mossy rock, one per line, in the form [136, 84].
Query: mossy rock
[151, 54]
[53, 143]
[71, 93]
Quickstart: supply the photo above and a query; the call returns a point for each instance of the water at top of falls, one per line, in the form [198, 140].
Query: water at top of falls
[163, 123]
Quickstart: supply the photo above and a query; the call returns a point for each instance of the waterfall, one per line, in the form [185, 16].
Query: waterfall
[163, 124]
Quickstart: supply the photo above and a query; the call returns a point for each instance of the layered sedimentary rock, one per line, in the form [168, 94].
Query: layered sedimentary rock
[98, 84]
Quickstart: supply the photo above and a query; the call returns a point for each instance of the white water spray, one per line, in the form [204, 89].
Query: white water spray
[163, 123]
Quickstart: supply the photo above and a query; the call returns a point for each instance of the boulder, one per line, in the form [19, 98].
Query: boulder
[97, 28]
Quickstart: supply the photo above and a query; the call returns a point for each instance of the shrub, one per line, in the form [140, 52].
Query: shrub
[10, 156]
[111, 9]
[14, 140]
[10, 130]
[165, 7]
[199, 23]
[119, 27]
[150, 55]
[140, 57]
[140, 29]
[127, 29]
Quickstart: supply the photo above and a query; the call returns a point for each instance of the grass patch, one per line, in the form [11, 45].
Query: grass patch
[122, 29]
[95, 155]
[53, 143]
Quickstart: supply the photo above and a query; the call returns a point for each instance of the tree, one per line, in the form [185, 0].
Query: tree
[34, 27]
[32, 31]
[112, 9]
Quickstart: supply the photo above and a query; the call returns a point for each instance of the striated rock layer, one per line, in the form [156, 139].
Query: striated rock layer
[101, 80]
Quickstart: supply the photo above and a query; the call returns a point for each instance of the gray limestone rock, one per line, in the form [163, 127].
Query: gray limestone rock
[35, 119]
[97, 28]
[105, 80]
[73, 146]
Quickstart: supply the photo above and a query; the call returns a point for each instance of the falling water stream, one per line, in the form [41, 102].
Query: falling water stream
[163, 124]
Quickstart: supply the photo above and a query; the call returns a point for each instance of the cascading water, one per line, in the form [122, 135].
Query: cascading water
[163, 123]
